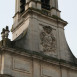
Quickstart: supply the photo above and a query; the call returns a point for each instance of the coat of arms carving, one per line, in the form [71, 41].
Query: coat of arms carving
[48, 40]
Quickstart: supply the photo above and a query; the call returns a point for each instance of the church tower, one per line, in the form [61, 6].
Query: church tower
[32, 19]
[39, 47]
[39, 27]
[23, 8]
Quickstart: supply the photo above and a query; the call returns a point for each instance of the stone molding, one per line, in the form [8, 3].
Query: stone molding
[5, 75]
[40, 56]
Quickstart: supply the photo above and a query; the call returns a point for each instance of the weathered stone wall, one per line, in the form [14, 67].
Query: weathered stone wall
[35, 36]
[5, 75]
[22, 66]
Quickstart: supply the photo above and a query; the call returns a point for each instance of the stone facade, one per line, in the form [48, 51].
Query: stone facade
[39, 47]
[23, 63]
[5, 75]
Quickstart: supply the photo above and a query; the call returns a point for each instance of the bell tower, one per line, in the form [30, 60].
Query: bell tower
[46, 7]
[39, 27]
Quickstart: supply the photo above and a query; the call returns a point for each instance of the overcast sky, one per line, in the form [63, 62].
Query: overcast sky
[68, 10]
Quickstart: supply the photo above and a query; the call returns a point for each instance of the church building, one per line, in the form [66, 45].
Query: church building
[38, 47]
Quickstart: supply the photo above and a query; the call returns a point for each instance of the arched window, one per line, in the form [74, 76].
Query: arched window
[22, 5]
[45, 4]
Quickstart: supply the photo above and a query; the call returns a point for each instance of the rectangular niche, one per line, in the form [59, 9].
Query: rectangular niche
[46, 71]
[22, 65]
[49, 70]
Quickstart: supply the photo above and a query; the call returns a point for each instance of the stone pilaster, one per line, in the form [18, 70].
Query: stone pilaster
[17, 11]
[17, 6]
[54, 8]
[39, 4]
[27, 1]
[54, 3]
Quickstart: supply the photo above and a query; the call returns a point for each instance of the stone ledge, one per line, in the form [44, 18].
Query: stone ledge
[40, 56]
[5, 75]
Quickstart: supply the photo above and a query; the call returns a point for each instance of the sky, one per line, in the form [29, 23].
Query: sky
[68, 10]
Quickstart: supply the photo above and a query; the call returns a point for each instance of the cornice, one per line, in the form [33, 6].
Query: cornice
[39, 56]
[39, 12]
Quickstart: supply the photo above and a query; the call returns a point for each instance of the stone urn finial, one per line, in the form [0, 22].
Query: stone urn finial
[6, 32]
[5, 40]
[3, 34]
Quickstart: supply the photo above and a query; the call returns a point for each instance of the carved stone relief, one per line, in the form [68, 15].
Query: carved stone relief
[48, 40]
